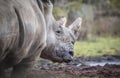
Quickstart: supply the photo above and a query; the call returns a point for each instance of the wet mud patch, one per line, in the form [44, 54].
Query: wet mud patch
[80, 67]
[107, 71]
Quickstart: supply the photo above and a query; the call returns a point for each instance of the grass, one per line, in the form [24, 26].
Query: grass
[98, 46]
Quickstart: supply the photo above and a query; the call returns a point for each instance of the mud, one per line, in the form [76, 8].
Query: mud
[79, 67]
[107, 71]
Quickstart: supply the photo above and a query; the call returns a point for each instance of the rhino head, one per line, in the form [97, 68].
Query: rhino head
[60, 38]
[60, 41]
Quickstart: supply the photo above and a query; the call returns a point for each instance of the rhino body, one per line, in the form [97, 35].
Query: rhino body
[27, 28]
[22, 35]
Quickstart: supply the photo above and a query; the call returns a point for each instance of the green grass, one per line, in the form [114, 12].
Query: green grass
[98, 46]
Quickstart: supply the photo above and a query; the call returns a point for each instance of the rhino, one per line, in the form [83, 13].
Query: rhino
[28, 30]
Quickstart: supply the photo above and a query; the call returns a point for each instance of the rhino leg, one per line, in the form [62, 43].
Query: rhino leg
[3, 69]
[22, 69]
[2, 74]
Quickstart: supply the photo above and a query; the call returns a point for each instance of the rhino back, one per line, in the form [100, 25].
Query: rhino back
[22, 30]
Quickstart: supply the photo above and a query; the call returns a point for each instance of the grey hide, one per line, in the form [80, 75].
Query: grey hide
[28, 30]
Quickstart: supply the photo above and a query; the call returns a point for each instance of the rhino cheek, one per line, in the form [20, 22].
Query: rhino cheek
[50, 54]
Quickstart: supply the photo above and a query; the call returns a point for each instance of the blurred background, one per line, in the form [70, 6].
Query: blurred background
[100, 32]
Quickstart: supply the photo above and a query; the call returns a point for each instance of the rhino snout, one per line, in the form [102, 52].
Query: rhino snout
[68, 56]
[71, 53]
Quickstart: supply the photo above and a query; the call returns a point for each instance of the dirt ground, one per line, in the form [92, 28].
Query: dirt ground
[79, 68]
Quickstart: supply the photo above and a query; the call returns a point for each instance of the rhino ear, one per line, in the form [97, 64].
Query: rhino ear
[76, 26]
[62, 21]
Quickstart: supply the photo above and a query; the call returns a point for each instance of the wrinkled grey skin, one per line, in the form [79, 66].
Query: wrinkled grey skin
[26, 28]
[22, 34]
[59, 45]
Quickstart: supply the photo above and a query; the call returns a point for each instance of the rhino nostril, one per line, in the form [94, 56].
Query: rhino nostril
[71, 53]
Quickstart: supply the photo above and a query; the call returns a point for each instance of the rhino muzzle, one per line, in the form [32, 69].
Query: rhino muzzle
[68, 56]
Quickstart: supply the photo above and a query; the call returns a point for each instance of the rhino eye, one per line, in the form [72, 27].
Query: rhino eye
[58, 31]
[72, 42]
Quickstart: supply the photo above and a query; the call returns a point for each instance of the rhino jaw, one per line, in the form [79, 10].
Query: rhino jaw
[65, 57]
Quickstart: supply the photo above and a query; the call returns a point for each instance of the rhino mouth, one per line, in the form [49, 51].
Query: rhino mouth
[62, 59]
[64, 56]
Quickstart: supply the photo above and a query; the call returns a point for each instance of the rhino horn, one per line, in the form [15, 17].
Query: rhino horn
[76, 26]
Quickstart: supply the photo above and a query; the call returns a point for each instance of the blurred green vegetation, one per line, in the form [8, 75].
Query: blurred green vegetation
[98, 46]
[116, 5]
[111, 6]
[58, 12]
[63, 11]
[74, 5]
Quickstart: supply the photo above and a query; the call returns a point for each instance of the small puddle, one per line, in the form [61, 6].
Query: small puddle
[99, 63]
[102, 63]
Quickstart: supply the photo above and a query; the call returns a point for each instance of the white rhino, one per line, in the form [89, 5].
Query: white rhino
[27, 28]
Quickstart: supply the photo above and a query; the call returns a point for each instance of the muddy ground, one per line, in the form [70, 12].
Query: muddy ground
[81, 67]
